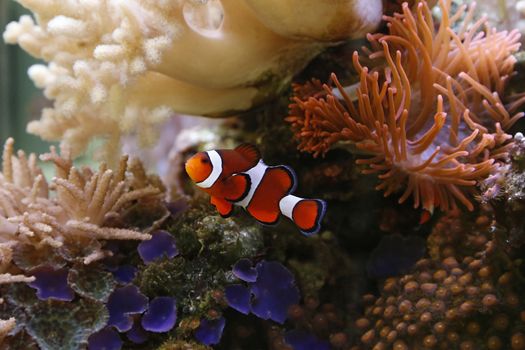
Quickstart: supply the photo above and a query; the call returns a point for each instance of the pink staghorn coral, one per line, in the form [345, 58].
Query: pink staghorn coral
[432, 119]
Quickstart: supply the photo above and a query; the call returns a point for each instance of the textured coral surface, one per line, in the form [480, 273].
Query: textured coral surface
[109, 257]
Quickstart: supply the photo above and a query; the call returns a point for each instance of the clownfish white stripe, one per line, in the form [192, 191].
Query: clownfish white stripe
[287, 204]
[256, 175]
[216, 166]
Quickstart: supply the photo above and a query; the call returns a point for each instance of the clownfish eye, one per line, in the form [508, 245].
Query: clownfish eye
[204, 161]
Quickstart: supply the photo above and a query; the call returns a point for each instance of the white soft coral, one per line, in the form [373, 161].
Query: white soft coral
[120, 66]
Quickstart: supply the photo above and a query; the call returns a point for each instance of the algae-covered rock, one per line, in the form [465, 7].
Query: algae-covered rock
[65, 325]
[91, 282]
[182, 345]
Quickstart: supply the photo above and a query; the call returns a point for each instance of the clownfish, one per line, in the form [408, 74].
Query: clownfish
[239, 177]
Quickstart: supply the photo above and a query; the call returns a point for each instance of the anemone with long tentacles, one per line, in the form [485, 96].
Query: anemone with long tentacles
[429, 114]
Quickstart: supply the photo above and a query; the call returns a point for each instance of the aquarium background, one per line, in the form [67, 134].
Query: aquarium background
[126, 252]
[20, 100]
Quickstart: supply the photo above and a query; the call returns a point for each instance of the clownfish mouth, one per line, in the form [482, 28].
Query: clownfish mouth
[191, 170]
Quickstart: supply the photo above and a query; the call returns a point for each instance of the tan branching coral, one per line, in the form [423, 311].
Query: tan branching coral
[122, 66]
[74, 208]
[432, 120]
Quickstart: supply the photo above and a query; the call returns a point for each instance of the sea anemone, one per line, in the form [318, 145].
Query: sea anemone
[429, 114]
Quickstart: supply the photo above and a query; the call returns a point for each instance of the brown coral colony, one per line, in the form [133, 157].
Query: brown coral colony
[428, 112]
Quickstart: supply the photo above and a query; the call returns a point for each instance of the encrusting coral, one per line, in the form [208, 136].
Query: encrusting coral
[432, 120]
[122, 66]
[464, 296]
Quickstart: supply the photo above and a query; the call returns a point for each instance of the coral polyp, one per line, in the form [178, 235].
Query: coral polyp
[107, 256]
[465, 296]
[428, 113]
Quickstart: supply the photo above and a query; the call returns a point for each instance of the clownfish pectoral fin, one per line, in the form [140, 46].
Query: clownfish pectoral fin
[237, 187]
[224, 207]
[307, 214]
[249, 152]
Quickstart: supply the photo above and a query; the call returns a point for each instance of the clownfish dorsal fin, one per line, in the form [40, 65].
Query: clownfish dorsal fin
[224, 207]
[237, 187]
[249, 152]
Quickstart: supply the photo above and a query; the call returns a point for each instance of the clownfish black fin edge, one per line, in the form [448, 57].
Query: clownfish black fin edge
[242, 181]
[316, 227]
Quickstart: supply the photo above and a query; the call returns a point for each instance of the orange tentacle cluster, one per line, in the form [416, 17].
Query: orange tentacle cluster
[429, 114]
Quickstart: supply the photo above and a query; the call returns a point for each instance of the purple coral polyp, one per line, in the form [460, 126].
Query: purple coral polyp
[137, 334]
[123, 303]
[161, 315]
[272, 287]
[105, 339]
[51, 283]
[125, 273]
[244, 270]
[161, 244]
[238, 297]
[274, 291]
[210, 331]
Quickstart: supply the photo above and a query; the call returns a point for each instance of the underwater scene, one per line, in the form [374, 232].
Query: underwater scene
[262, 175]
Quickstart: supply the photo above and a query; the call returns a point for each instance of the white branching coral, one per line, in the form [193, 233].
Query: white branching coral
[119, 66]
[74, 208]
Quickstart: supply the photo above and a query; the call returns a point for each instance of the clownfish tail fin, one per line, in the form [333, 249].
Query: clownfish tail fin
[307, 214]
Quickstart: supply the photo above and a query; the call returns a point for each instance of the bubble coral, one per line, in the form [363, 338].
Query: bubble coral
[432, 120]
[119, 67]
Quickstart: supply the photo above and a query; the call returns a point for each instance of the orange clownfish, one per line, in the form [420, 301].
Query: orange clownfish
[239, 177]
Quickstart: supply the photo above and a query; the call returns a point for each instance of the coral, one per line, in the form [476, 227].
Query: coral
[59, 233]
[131, 68]
[122, 304]
[210, 331]
[395, 255]
[504, 192]
[465, 296]
[76, 215]
[182, 345]
[161, 315]
[268, 295]
[65, 325]
[244, 270]
[316, 325]
[107, 339]
[432, 119]
[51, 284]
[300, 340]
[161, 244]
